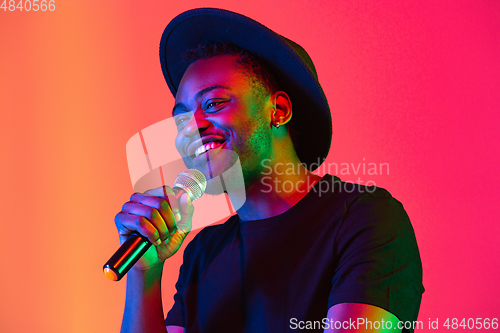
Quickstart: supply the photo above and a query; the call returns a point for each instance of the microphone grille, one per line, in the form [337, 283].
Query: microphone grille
[193, 182]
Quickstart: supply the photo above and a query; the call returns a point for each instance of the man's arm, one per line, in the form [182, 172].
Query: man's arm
[152, 214]
[143, 306]
[350, 312]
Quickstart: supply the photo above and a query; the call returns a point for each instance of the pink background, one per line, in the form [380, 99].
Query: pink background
[414, 85]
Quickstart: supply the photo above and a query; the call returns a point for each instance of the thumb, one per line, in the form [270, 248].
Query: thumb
[185, 204]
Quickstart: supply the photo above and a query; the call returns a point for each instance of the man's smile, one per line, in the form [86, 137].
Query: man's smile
[206, 147]
[205, 144]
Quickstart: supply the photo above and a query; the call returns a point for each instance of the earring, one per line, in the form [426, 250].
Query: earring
[277, 124]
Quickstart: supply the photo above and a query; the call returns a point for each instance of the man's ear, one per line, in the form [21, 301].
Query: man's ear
[282, 106]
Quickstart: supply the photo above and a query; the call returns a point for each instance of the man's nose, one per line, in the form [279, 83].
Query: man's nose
[196, 124]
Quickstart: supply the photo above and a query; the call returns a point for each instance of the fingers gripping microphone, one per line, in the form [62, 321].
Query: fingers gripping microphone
[193, 183]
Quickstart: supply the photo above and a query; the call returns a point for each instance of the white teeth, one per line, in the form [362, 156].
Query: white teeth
[207, 146]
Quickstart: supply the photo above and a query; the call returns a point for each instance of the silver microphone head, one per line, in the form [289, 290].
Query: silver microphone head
[193, 182]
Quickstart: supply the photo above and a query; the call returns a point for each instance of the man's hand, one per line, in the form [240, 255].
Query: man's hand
[161, 217]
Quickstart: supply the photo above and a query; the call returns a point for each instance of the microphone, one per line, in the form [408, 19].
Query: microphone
[193, 183]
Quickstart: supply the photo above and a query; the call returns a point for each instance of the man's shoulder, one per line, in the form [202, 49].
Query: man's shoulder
[373, 208]
[345, 201]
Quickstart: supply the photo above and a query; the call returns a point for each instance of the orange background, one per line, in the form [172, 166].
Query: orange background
[414, 85]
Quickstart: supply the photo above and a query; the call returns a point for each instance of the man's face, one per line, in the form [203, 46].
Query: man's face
[219, 118]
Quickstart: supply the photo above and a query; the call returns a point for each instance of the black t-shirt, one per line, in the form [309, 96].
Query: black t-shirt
[342, 243]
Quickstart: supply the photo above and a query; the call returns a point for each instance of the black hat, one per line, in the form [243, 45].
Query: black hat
[288, 61]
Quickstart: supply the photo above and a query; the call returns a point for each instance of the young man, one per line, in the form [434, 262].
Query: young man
[303, 252]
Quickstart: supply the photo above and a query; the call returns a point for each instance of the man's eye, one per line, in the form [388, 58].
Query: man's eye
[179, 121]
[213, 104]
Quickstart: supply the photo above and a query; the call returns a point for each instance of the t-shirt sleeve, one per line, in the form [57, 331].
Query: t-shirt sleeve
[377, 258]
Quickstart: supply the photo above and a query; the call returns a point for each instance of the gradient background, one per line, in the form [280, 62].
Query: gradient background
[414, 85]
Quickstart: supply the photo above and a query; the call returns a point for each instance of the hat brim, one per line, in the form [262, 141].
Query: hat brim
[287, 60]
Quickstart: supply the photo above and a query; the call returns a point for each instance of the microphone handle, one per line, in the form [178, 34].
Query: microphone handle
[126, 256]
[130, 252]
